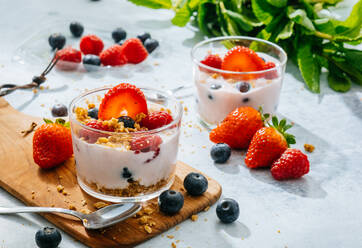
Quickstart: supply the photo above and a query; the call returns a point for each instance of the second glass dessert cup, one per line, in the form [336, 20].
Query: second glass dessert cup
[220, 91]
[107, 165]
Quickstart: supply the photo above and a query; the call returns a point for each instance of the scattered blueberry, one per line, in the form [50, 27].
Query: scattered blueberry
[56, 40]
[195, 184]
[220, 152]
[93, 113]
[48, 237]
[76, 28]
[210, 96]
[227, 210]
[245, 100]
[143, 37]
[243, 87]
[151, 44]
[170, 201]
[119, 34]
[120, 43]
[90, 61]
[126, 173]
[215, 86]
[59, 110]
[127, 121]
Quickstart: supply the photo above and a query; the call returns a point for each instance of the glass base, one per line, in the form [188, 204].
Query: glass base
[119, 199]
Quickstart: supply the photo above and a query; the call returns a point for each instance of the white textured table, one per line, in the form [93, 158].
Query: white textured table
[321, 210]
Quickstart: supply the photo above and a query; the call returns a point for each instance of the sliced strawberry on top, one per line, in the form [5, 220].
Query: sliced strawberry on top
[122, 100]
[242, 59]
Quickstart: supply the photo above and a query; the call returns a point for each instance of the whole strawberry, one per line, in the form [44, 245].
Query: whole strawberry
[69, 58]
[238, 128]
[268, 143]
[212, 60]
[292, 164]
[113, 56]
[134, 51]
[91, 44]
[156, 119]
[52, 144]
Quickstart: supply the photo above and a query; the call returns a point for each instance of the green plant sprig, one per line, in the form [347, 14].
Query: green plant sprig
[312, 40]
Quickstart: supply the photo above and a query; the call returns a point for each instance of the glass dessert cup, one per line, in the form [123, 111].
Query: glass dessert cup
[219, 91]
[107, 166]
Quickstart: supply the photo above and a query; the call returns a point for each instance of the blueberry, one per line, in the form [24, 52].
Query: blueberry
[245, 100]
[151, 44]
[93, 113]
[210, 96]
[170, 201]
[126, 173]
[215, 86]
[143, 37]
[227, 210]
[56, 40]
[59, 110]
[243, 86]
[48, 237]
[220, 152]
[76, 28]
[120, 43]
[127, 121]
[119, 34]
[90, 61]
[195, 184]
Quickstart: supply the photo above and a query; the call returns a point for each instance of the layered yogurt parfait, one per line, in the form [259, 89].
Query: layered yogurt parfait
[231, 72]
[125, 142]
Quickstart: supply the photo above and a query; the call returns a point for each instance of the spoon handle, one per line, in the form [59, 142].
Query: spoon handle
[14, 210]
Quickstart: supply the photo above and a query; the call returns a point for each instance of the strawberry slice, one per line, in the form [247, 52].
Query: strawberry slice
[122, 100]
[242, 59]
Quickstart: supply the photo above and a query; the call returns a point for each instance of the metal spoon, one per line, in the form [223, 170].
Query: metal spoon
[101, 218]
[161, 98]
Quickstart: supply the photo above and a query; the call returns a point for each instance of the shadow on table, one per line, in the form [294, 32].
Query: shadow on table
[354, 103]
[321, 169]
[235, 230]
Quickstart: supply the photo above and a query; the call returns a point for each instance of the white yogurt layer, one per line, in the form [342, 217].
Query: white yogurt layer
[215, 104]
[104, 165]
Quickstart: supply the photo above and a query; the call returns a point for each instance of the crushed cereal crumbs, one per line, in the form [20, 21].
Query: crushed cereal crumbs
[72, 207]
[177, 241]
[215, 75]
[207, 209]
[60, 188]
[170, 236]
[84, 203]
[278, 231]
[173, 245]
[100, 204]
[148, 229]
[309, 148]
[194, 217]
[91, 105]
[85, 211]
[177, 228]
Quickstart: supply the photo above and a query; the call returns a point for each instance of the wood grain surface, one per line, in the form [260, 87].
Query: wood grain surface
[21, 177]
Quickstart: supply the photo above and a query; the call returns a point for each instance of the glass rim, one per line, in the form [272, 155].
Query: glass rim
[153, 131]
[201, 43]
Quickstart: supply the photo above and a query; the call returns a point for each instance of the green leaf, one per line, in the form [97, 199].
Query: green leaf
[194, 4]
[182, 16]
[47, 121]
[263, 11]
[287, 31]
[289, 138]
[282, 123]
[206, 16]
[309, 66]
[230, 24]
[60, 121]
[278, 3]
[337, 79]
[287, 126]
[300, 17]
[242, 22]
[153, 4]
[275, 121]
[273, 29]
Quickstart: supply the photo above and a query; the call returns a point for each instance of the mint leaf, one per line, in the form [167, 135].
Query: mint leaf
[263, 11]
[182, 16]
[337, 79]
[300, 17]
[278, 3]
[308, 66]
[47, 121]
[242, 22]
[153, 4]
[230, 24]
[286, 32]
[207, 15]
[194, 4]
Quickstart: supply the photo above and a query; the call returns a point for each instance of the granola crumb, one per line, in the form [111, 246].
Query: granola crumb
[100, 204]
[41, 87]
[173, 245]
[309, 148]
[32, 192]
[194, 217]
[72, 207]
[65, 192]
[177, 228]
[148, 210]
[52, 205]
[207, 209]
[33, 197]
[85, 211]
[35, 91]
[60, 188]
[148, 229]
[278, 231]
[60, 177]
[186, 109]
[170, 236]
[85, 221]
[205, 219]
[84, 203]
[91, 105]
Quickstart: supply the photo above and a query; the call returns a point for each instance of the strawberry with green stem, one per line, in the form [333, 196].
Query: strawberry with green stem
[268, 144]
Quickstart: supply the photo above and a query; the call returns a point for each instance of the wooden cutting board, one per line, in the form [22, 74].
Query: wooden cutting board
[21, 177]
